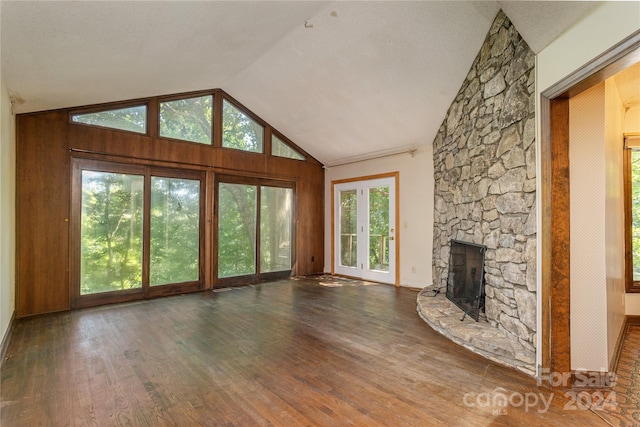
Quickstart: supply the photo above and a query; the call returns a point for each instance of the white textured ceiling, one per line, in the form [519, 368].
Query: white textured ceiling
[344, 80]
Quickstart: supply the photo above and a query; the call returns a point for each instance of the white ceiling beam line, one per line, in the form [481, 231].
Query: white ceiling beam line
[412, 150]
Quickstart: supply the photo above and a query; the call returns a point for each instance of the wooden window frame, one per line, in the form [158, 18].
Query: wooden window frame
[178, 97]
[631, 286]
[110, 107]
[152, 105]
[48, 144]
[257, 275]
[146, 291]
[287, 142]
[266, 129]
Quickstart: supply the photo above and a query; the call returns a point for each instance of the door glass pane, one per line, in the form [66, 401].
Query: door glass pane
[187, 119]
[275, 229]
[635, 212]
[379, 228]
[348, 228]
[175, 230]
[111, 232]
[236, 230]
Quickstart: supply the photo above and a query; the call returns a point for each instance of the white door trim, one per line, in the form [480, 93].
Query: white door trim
[393, 277]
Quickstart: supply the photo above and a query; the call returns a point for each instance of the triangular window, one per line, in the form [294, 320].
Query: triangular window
[282, 149]
[132, 119]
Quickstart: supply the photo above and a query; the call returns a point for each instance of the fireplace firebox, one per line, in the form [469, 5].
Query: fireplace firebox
[465, 282]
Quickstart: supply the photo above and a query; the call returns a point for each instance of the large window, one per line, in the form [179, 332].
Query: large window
[275, 228]
[111, 232]
[236, 229]
[138, 228]
[122, 201]
[175, 228]
[167, 217]
[254, 228]
[632, 207]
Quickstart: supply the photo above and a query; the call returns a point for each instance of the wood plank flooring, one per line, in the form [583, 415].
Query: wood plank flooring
[292, 352]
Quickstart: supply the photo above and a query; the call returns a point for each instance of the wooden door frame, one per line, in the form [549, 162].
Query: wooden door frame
[396, 176]
[554, 198]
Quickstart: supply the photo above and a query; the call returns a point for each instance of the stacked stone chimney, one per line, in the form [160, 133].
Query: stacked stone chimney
[485, 179]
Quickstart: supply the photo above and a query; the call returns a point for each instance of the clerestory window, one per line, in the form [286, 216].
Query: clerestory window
[132, 119]
[280, 148]
[188, 119]
[240, 131]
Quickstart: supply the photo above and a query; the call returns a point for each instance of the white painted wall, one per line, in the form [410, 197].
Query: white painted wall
[588, 263]
[605, 26]
[632, 120]
[614, 216]
[416, 209]
[596, 119]
[7, 210]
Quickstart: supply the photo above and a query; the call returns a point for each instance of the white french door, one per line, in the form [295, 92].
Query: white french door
[365, 229]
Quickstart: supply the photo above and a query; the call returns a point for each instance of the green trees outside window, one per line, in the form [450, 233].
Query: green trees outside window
[275, 228]
[281, 149]
[175, 230]
[236, 229]
[635, 212]
[348, 228]
[187, 119]
[379, 228]
[111, 232]
[239, 131]
[138, 222]
[238, 205]
[133, 119]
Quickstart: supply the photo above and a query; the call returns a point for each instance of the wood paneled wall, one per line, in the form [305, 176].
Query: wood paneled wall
[46, 144]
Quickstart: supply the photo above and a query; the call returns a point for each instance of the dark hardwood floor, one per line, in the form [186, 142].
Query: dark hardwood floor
[292, 352]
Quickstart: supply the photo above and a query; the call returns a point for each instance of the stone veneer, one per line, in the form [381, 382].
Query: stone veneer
[485, 180]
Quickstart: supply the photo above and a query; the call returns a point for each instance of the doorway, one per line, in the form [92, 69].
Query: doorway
[365, 228]
[555, 232]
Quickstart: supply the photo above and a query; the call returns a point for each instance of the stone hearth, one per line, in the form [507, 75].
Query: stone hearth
[485, 193]
[480, 337]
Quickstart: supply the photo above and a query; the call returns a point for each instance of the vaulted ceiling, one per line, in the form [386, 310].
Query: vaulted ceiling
[344, 80]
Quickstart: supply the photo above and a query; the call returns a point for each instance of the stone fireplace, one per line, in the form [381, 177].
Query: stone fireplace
[485, 183]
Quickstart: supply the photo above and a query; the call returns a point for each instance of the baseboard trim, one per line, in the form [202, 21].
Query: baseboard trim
[632, 320]
[628, 321]
[7, 337]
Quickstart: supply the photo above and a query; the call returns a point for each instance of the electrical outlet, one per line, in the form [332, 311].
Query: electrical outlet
[413, 269]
